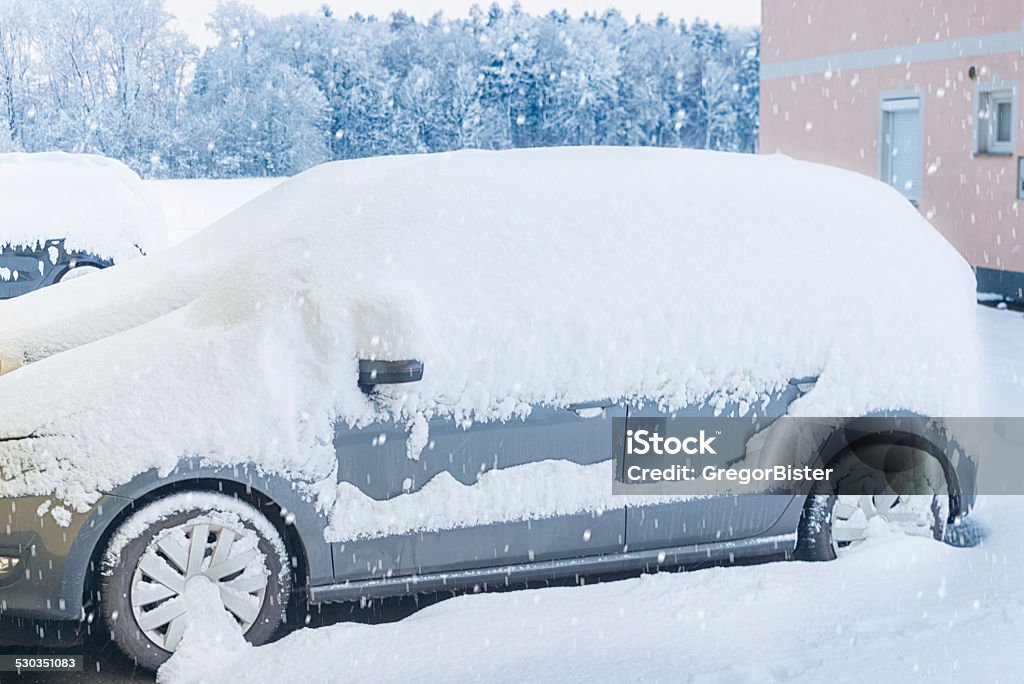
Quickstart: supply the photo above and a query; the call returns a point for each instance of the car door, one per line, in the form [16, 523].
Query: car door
[476, 496]
[705, 519]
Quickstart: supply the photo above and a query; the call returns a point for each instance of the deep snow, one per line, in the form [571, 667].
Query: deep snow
[519, 277]
[902, 608]
[896, 607]
[1003, 335]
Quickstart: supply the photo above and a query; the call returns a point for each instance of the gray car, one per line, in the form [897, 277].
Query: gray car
[387, 377]
[24, 269]
[135, 555]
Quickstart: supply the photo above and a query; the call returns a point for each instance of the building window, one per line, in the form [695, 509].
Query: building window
[994, 121]
[900, 146]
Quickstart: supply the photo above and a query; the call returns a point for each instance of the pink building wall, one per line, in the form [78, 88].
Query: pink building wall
[826, 66]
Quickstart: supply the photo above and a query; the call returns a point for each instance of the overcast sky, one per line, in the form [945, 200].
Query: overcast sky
[192, 14]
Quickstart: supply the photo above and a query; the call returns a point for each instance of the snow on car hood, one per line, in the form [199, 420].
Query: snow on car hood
[518, 278]
[98, 205]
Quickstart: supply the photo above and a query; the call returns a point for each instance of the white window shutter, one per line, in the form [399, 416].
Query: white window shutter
[906, 158]
[901, 146]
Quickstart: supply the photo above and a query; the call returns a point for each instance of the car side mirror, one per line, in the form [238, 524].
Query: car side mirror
[373, 373]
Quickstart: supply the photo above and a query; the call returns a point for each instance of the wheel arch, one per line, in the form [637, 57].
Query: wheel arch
[922, 443]
[73, 263]
[296, 520]
[844, 440]
[809, 545]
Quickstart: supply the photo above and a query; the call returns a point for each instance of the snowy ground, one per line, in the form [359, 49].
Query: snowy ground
[1002, 333]
[191, 205]
[905, 607]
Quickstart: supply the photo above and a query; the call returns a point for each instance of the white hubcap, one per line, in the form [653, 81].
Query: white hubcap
[853, 513]
[227, 556]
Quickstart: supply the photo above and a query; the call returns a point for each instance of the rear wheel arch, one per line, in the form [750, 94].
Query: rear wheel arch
[905, 439]
[817, 505]
[921, 443]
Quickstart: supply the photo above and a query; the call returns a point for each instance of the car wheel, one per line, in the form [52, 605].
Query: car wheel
[156, 553]
[895, 486]
[77, 272]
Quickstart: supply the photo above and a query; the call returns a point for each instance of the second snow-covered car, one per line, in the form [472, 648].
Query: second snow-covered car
[67, 215]
[402, 375]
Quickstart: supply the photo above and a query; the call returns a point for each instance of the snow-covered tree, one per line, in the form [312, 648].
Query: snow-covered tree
[276, 95]
[113, 78]
[580, 89]
[17, 27]
[253, 114]
[748, 77]
[718, 91]
[7, 143]
[510, 98]
[657, 64]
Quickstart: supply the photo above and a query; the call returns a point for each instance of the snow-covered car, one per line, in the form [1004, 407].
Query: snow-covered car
[66, 215]
[401, 375]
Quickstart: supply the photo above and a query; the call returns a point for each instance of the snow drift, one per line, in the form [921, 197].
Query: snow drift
[518, 278]
[98, 205]
[894, 603]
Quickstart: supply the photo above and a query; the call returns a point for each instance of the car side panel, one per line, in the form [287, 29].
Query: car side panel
[55, 558]
[707, 519]
[376, 461]
[40, 266]
[505, 543]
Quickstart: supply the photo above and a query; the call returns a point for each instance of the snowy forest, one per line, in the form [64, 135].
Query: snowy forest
[273, 96]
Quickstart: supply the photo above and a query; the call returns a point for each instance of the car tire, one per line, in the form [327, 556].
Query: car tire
[163, 539]
[914, 498]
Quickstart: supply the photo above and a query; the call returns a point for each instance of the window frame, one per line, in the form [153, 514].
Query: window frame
[987, 97]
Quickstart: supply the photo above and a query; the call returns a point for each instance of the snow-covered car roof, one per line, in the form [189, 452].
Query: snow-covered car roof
[97, 205]
[518, 278]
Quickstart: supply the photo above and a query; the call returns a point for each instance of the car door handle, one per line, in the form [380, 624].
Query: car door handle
[589, 406]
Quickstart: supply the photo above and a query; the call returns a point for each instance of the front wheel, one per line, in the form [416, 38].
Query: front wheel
[187, 538]
[879, 486]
